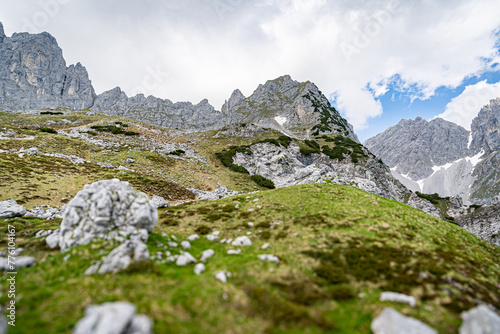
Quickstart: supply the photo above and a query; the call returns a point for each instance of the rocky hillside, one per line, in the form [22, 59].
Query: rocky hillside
[34, 75]
[312, 258]
[444, 158]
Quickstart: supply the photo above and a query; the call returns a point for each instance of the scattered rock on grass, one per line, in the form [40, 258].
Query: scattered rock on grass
[116, 318]
[159, 201]
[10, 209]
[52, 239]
[391, 321]
[206, 255]
[480, 320]
[193, 237]
[199, 268]
[398, 297]
[223, 276]
[184, 259]
[242, 241]
[185, 245]
[121, 257]
[269, 258]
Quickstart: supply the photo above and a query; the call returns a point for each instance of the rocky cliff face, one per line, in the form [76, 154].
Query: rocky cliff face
[288, 166]
[414, 147]
[33, 75]
[295, 108]
[486, 128]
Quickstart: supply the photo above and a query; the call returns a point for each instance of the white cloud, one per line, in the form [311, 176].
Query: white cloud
[207, 48]
[463, 108]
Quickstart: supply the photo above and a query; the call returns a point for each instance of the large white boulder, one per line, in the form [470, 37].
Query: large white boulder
[105, 206]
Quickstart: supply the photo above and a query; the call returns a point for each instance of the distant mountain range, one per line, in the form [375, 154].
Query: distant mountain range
[441, 157]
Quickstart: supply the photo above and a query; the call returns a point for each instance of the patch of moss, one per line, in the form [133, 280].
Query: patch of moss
[203, 229]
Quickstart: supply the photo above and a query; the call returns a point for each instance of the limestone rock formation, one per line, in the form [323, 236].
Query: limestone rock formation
[34, 75]
[10, 209]
[116, 318]
[106, 208]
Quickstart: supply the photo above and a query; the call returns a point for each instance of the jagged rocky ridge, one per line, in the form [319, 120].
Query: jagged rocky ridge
[297, 109]
[34, 75]
[442, 157]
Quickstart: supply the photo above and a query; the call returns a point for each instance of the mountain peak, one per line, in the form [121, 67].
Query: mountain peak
[2, 33]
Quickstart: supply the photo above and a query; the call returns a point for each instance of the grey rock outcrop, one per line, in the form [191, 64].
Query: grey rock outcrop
[113, 318]
[480, 320]
[10, 209]
[391, 321]
[483, 221]
[33, 75]
[486, 128]
[413, 147]
[288, 166]
[108, 208]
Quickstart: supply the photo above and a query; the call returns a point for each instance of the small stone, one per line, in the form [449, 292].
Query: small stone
[211, 237]
[391, 321]
[172, 244]
[265, 246]
[206, 255]
[199, 268]
[159, 201]
[269, 258]
[184, 259]
[233, 252]
[193, 237]
[185, 245]
[398, 297]
[242, 241]
[53, 240]
[221, 276]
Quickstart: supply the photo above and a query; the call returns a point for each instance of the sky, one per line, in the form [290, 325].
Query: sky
[378, 61]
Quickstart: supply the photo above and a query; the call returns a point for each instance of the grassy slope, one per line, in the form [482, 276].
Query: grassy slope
[334, 243]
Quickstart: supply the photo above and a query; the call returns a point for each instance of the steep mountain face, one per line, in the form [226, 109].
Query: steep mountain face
[439, 156]
[33, 75]
[486, 128]
[414, 147]
[298, 109]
